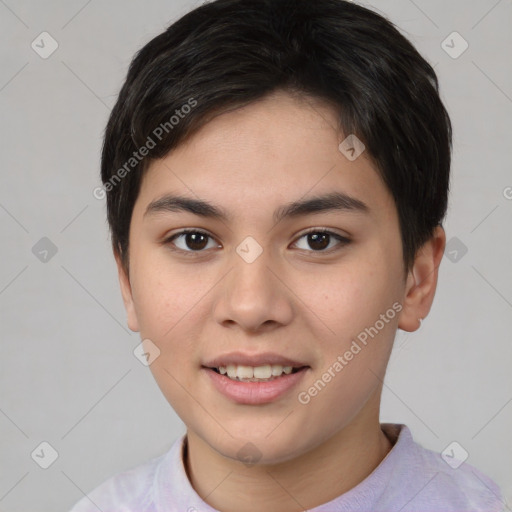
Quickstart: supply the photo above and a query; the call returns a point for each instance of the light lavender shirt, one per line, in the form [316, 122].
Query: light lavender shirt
[410, 478]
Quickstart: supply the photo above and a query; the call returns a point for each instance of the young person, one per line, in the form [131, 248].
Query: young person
[276, 175]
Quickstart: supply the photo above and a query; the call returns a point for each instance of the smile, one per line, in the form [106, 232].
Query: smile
[242, 389]
[263, 373]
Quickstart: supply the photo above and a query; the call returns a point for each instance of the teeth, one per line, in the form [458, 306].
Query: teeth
[277, 369]
[264, 372]
[245, 372]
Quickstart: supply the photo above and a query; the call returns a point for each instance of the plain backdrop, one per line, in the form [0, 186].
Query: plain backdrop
[68, 375]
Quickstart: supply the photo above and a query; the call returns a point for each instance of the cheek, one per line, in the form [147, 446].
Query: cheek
[168, 305]
[172, 309]
[164, 294]
[355, 324]
[337, 395]
[351, 368]
[345, 298]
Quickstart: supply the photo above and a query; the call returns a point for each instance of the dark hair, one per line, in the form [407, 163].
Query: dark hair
[230, 53]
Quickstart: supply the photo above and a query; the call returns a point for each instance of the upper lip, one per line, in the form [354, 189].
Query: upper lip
[239, 358]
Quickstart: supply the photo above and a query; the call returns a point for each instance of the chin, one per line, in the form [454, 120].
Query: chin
[260, 448]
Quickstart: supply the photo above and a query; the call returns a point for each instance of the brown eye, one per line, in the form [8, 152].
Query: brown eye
[320, 240]
[190, 241]
[196, 241]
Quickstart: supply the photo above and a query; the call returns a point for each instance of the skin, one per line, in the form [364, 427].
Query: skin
[294, 299]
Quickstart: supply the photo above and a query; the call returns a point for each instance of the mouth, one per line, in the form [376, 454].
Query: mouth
[255, 385]
[254, 379]
[262, 373]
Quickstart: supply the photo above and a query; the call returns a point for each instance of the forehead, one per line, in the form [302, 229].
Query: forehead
[263, 156]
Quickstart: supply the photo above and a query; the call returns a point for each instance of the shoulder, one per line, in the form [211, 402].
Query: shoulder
[462, 484]
[444, 483]
[128, 491]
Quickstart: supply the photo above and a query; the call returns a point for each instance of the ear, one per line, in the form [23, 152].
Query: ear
[421, 282]
[126, 291]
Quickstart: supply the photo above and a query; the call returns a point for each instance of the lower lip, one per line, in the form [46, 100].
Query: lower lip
[255, 393]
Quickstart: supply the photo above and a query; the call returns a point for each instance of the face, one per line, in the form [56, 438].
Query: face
[257, 286]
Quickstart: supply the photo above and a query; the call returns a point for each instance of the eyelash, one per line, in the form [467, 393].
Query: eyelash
[341, 239]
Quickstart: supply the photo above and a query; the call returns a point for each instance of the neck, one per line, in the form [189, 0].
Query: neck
[332, 468]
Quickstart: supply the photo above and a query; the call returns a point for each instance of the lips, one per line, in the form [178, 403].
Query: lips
[253, 360]
[254, 379]
[256, 373]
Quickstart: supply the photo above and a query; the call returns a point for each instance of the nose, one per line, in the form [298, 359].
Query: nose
[253, 295]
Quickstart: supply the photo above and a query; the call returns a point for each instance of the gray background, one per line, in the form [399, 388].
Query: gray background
[68, 375]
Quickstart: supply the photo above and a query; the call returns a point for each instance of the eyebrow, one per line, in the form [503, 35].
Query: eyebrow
[335, 201]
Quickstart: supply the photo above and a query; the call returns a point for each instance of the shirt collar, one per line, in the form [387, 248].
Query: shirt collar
[172, 486]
